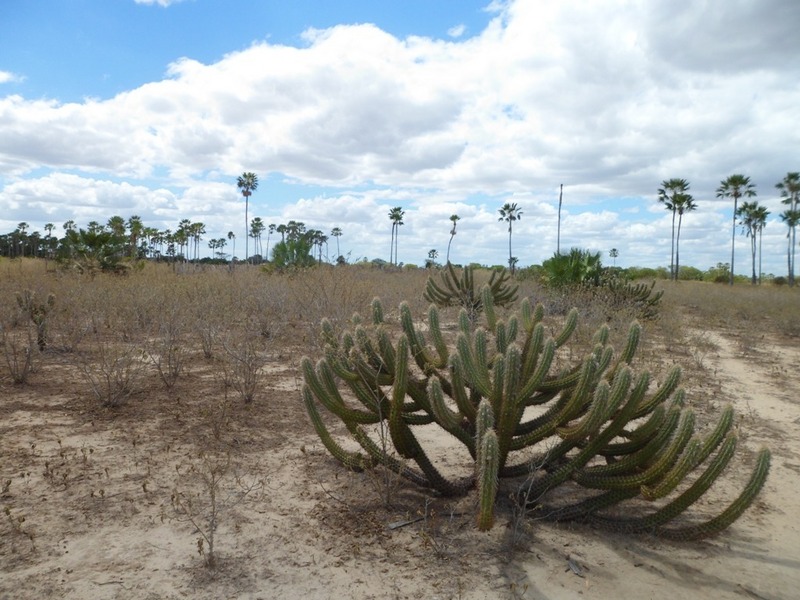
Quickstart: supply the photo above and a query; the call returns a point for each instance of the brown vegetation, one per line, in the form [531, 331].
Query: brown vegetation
[160, 431]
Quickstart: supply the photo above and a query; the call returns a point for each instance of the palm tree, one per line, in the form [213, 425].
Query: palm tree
[433, 254]
[48, 242]
[337, 233]
[232, 237]
[792, 219]
[270, 231]
[455, 219]
[282, 230]
[790, 192]
[196, 231]
[735, 186]
[667, 193]
[684, 203]
[614, 253]
[135, 227]
[257, 227]
[509, 213]
[396, 216]
[248, 183]
[761, 215]
[752, 218]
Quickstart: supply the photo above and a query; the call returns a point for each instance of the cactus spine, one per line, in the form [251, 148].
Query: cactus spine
[478, 385]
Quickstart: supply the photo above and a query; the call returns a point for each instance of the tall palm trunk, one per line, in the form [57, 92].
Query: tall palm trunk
[677, 249]
[672, 271]
[510, 263]
[391, 245]
[733, 234]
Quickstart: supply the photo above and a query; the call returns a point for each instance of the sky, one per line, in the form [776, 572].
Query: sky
[346, 109]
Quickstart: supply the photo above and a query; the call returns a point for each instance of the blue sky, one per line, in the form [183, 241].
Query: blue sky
[345, 109]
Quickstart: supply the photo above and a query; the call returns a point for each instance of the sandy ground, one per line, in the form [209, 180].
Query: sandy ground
[97, 503]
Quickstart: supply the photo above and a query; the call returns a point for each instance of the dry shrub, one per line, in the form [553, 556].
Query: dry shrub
[114, 370]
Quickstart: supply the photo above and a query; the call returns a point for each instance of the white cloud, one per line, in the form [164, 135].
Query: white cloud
[608, 98]
[8, 77]
[163, 3]
[457, 31]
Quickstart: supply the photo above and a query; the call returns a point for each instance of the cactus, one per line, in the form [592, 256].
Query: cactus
[597, 426]
[37, 312]
[639, 295]
[460, 291]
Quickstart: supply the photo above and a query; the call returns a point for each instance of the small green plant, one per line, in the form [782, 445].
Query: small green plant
[479, 390]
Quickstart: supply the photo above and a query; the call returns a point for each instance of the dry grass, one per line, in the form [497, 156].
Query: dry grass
[118, 459]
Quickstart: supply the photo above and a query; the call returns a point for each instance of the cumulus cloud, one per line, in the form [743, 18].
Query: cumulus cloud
[608, 99]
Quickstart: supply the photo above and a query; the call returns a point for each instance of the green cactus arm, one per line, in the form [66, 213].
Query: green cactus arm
[377, 455]
[579, 395]
[464, 322]
[487, 479]
[680, 504]
[534, 341]
[434, 293]
[531, 316]
[386, 350]
[532, 432]
[475, 371]
[726, 518]
[500, 337]
[565, 379]
[484, 420]
[371, 355]
[601, 335]
[377, 311]
[422, 356]
[690, 460]
[568, 329]
[329, 337]
[458, 390]
[592, 420]
[586, 453]
[663, 392]
[665, 460]
[332, 400]
[488, 307]
[402, 437]
[436, 335]
[326, 377]
[526, 312]
[606, 400]
[639, 437]
[448, 419]
[511, 407]
[631, 343]
[368, 372]
[633, 463]
[498, 376]
[352, 460]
